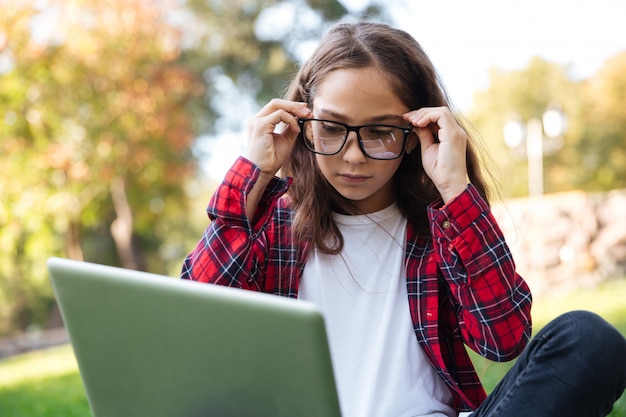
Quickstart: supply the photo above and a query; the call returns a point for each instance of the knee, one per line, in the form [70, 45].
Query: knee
[588, 331]
[586, 325]
[586, 351]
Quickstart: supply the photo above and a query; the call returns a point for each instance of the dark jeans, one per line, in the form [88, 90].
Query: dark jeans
[574, 367]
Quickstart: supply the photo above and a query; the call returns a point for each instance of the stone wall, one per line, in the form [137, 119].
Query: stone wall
[566, 241]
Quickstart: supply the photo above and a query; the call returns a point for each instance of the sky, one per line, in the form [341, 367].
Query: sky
[466, 38]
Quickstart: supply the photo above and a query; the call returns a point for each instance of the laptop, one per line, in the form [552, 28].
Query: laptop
[151, 345]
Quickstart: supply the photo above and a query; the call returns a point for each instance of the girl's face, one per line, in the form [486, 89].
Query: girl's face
[359, 97]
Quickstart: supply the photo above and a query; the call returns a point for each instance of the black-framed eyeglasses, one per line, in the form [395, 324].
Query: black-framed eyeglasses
[327, 137]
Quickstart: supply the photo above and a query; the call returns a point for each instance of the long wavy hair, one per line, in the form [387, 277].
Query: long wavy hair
[401, 59]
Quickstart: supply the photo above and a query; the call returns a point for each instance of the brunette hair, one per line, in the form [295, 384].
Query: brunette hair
[403, 62]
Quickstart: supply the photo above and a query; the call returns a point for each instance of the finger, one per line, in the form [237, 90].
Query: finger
[296, 108]
[441, 121]
[428, 115]
[424, 125]
[284, 123]
[278, 123]
[431, 115]
[425, 136]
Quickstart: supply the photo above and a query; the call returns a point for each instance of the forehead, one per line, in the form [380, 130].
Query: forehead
[359, 95]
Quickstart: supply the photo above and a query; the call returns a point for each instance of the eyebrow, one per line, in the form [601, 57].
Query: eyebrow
[376, 119]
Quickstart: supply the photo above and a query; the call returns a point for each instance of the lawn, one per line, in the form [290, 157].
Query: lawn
[47, 383]
[42, 383]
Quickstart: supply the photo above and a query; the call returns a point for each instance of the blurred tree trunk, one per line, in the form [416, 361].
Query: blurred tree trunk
[122, 227]
[74, 250]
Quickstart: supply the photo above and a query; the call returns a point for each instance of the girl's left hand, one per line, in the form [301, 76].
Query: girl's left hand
[443, 145]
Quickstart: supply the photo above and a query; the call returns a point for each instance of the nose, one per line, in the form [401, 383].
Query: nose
[352, 152]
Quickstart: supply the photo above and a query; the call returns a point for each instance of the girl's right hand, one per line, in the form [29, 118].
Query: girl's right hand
[272, 133]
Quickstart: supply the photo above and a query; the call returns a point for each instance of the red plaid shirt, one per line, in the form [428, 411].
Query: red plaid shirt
[462, 285]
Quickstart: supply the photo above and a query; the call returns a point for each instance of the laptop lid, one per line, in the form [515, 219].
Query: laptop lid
[150, 345]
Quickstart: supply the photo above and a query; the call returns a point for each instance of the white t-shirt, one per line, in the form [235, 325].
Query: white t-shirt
[379, 367]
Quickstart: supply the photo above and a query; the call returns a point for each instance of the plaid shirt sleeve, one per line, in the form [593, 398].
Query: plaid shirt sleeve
[233, 249]
[493, 301]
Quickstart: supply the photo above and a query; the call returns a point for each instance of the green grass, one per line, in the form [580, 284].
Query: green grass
[47, 383]
[43, 383]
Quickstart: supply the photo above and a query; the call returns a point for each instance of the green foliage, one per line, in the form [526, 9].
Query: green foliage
[589, 156]
[602, 154]
[522, 95]
[254, 47]
[100, 106]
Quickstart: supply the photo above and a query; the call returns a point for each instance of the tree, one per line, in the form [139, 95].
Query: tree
[523, 95]
[592, 156]
[100, 105]
[95, 141]
[249, 50]
[602, 155]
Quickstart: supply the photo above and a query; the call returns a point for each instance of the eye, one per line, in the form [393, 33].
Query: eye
[387, 134]
[380, 131]
[332, 128]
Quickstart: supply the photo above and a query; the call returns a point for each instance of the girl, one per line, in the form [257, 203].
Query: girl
[381, 218]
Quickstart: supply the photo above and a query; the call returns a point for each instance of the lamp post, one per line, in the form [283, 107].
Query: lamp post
[531, 134]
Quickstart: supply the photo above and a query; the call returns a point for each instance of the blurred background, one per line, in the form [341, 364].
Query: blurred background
[118, 118]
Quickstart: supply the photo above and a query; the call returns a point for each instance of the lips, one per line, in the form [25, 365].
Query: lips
[353, 179]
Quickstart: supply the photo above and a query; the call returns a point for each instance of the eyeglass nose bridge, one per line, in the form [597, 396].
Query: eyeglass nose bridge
[356, 130]
[359, 140]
